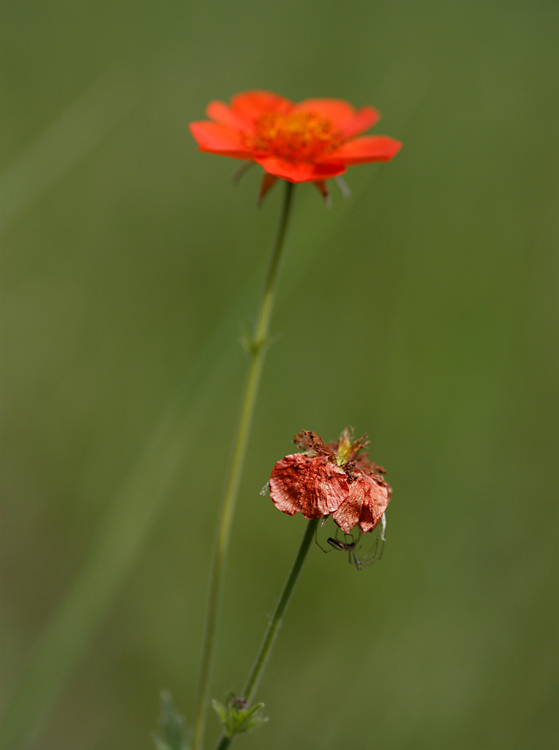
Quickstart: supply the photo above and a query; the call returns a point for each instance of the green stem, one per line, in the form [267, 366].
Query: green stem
[275, 623]
[257, 350]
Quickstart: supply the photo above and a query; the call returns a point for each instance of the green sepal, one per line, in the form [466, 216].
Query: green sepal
[238, 719]
[172, 734]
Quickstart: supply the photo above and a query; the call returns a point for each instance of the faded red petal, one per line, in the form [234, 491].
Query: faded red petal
[314, 486]
[252, 104]
[301, 172]
[224, 115]
[366, 149]
[363, 119]
[338, 111]
[365, 505]
[218, 139]
[347, 515]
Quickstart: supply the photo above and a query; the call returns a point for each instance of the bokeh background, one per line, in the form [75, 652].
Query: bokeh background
[424, 312]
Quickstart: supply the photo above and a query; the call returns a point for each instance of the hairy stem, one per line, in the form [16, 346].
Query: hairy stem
[257, 350]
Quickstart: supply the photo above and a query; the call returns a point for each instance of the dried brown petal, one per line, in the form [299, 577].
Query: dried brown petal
[312, 443]
[314, 486]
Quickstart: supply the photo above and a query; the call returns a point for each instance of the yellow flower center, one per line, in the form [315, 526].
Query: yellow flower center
[296, 137]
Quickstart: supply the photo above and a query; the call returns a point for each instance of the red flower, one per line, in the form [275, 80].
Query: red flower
[336, 478]
[307, 142]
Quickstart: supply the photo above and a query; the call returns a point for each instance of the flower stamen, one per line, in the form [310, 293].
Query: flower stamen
[295, 137]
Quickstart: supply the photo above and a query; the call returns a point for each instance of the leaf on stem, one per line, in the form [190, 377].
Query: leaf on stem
[237, 718]
[173, 735]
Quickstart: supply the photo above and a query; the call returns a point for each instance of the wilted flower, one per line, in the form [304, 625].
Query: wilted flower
[336, 478]
[307, 142]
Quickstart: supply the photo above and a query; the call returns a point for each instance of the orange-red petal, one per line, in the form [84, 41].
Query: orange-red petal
[365, 149]
[362, 120]
[223, 114]
[300, 172]
[218, 139]
[338, 111]
[252, 104]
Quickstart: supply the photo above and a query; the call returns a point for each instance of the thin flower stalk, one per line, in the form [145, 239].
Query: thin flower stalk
[257, 349]
[275, 624]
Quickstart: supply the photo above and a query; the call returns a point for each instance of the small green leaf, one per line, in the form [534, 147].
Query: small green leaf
[221, 711]
[252, 718]
[246, 342]
[236, 718]
[173, 735]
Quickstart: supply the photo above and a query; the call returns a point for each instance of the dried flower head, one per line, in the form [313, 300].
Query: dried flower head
[336, 478]
[307, 142]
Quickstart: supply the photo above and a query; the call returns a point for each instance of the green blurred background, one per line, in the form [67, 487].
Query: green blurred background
[424, 312]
